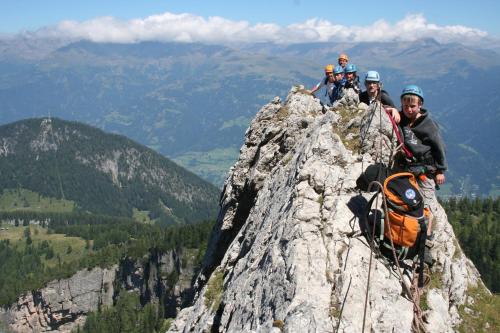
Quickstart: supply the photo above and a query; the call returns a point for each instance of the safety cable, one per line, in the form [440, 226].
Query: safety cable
[372, 245]
[343, 303]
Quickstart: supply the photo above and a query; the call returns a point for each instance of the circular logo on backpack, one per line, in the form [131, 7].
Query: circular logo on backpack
[410, 194]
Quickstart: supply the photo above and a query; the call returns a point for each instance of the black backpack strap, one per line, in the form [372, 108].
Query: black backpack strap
[421, 250]
[366, 212]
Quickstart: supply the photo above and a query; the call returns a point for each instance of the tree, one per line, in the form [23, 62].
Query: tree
[27, 232]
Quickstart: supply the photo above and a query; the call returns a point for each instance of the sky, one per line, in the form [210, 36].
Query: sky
[286, 21]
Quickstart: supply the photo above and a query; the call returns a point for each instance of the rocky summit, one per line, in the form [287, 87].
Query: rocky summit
[287, 254]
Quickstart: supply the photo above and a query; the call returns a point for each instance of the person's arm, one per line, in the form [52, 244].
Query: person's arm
[438, 154]
[386, 99]
[393, 112]
[317, 87]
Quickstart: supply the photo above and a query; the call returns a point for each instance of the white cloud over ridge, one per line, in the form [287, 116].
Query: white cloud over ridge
[169, 27]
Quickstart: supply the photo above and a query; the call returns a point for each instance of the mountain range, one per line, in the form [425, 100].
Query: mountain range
[101, 173]
[193, 102]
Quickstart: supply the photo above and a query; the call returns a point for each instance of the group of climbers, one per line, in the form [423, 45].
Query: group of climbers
[338, 78]
[423, 154]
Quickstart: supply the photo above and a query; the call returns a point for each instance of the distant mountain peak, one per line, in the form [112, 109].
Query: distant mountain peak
[103, 173]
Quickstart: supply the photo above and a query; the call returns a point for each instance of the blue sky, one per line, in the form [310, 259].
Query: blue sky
[449, 15]
[31, 14]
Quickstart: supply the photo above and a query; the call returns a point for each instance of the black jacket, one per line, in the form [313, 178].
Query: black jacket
[384, 98]
[354, 84]
[424, 140]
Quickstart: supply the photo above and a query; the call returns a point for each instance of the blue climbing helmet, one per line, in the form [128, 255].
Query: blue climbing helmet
[412, 89]
[338, 70]
[372, 76]
[350, 68]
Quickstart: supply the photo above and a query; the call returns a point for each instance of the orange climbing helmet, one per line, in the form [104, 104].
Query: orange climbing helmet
[343, 56]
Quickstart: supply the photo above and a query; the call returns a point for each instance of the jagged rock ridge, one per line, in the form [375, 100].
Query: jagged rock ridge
[284, 255]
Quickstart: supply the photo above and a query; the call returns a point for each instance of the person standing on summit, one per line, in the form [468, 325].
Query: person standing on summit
[421, 136]
[374, 91]
[338, 73]
[351, 78]
[343, 60]
[328, 81]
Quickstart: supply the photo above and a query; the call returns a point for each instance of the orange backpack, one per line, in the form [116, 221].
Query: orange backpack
[405, 222]
[406, 214]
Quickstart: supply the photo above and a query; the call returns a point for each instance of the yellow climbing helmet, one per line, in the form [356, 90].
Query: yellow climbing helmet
[329, 68]
[343, 56]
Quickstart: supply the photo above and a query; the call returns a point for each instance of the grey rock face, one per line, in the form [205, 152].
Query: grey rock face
[287, 254]
[63, 304]
[151, 277]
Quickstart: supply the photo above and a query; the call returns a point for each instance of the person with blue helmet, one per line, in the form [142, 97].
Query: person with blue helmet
[352, 80]
[339, 83]
[328, 81]
[421, 136]
[338, 72]
[374, 91]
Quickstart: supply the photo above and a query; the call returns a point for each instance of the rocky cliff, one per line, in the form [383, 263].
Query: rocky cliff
[287, 254]
[64, 304]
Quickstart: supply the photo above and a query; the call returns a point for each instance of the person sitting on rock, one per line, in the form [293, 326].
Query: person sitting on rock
[339, 83]
[343, 60]
[374, 91]
[421, 136]
[352, 80]
[328, 81]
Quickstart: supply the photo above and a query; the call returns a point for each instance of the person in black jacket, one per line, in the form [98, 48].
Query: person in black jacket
[421, 136]
[351, 78]
[374, 91]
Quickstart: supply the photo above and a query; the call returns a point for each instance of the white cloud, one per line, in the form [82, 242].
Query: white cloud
[192, 28]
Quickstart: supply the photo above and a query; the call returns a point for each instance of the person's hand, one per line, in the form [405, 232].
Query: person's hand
[394, 113]
[440, 178]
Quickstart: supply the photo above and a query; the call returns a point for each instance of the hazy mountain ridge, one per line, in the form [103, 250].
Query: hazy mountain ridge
[102, 173]
[192, 100]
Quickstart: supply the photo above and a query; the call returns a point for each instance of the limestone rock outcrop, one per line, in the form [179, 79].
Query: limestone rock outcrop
[286, 254]
[64, 304]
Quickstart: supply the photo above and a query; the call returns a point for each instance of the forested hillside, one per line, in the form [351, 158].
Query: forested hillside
[31, 255]
[99, 172]
[476, 225]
